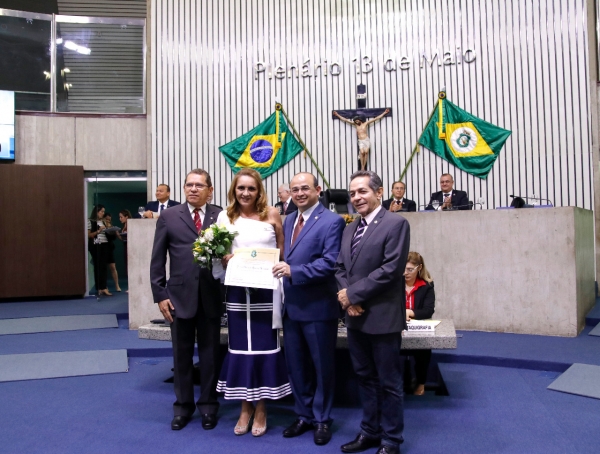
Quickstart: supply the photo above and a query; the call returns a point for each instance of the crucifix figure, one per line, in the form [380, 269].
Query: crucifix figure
[362, 131]
[358, 119]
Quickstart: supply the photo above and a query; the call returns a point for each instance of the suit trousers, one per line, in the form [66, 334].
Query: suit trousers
[310, 358]
[377, 362]
[183, 335]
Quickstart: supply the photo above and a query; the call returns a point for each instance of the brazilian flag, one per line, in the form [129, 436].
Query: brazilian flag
[266, 148]
[462, 139]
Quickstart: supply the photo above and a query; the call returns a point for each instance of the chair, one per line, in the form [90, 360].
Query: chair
[339, 197]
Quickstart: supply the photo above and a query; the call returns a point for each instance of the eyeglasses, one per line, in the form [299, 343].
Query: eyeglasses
[410, 270]
[196, 185]
[296, 190]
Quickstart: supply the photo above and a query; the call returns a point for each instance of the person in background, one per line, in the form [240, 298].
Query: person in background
[98, 248]
[163, 201]
[124, 215]
[420, 305]
[398, 202]
[448, 198]
[285, 205]
[110, 259]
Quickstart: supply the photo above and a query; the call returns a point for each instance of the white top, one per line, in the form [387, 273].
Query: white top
[101, 237]
[251, 233]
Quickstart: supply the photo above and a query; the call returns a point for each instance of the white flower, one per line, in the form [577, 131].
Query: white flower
[209, 235]
[201, 241]
[202, 259]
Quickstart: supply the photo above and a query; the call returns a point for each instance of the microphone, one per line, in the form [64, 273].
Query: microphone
[532, 198]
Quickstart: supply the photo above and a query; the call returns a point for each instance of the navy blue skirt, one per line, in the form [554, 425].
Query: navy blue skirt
[254, 367]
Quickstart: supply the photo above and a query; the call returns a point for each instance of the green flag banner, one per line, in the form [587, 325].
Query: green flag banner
[266, 148]
[468, 142]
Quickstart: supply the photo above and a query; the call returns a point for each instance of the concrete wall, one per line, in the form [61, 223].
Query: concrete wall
[525, 271]
[94, 142]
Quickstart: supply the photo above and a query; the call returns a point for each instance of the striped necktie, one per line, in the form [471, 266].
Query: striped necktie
[358, 235]
[197, 220]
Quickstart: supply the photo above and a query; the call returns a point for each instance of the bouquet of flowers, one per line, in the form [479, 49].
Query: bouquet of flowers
[349, 218]
[213, 244]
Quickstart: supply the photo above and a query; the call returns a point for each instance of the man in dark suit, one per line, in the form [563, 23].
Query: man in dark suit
[448, 198]
[163, 201]
[286, 203]
[311, 311]
[398, 202]
[369, 273]
[190, 300]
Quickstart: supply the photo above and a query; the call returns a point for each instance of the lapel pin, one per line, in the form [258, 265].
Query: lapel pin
[375, 222]
[316, 217]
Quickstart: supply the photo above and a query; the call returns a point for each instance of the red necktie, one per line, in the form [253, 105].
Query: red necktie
[298, 228]
[197, 219]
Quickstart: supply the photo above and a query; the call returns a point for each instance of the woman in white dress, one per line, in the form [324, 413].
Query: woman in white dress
[254, 368]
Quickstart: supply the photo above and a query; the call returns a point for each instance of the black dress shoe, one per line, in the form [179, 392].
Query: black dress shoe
[209, 421]
[385, 449]
[322, 433]
[298, 427]
[360, 443]
[179, 422]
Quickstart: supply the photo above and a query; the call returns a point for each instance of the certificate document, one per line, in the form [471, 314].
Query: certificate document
[252, 267]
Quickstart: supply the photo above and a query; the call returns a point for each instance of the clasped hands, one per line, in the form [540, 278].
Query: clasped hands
[354, 310]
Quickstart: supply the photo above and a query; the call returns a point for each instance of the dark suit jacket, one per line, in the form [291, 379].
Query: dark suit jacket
[311, 292]
[290, 209]
[407, 204]
[459, 199]
[189, 285]
[424, 302]
[374, 278]
[154, 206]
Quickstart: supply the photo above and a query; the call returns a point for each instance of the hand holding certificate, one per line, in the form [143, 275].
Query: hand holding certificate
[252, 267]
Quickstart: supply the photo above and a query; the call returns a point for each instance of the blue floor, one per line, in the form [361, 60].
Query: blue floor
[489, 409]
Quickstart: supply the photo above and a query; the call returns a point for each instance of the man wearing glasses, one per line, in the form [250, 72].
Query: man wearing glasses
[190, 300]
[311, 312]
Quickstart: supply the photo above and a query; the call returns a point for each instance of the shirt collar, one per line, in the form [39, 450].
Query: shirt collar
[369, 217]
[308, 212]
[192, 208]
[166, 204]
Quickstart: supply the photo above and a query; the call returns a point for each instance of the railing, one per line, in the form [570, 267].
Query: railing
[58, 63]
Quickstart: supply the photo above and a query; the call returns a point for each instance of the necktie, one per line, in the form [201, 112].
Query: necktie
[298, 228]
[285, 205]
[358, 235]
[197, 220]
[446, 197]
[162, 207]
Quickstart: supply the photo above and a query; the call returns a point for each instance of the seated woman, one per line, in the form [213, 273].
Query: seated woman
[420, 304]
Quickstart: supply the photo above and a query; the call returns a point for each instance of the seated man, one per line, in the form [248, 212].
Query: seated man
[163, 194]
[448, 198]
[286, 204]
[398, 202]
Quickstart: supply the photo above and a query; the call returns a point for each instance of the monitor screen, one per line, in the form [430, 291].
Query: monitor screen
[7, 125]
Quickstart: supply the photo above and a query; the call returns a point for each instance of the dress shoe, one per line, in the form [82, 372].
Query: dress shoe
[298, 427]
[360, 443]
[322, 433]
[259, 431]
[386, 449]
[179, 422]
[209, 421]
[240, 429]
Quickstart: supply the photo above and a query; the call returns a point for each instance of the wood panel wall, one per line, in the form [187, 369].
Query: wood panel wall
[42, 231]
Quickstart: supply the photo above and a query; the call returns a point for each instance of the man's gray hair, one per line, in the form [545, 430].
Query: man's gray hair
[374, 180]
[284, 186]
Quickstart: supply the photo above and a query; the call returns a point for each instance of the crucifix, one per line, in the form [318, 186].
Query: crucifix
[358, 119]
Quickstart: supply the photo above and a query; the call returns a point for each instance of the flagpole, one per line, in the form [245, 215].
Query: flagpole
[278, 106]
[441, 95]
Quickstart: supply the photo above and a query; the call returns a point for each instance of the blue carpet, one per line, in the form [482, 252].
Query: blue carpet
[116, 304]
[35, 366]
[580, 379]
[58, 323]
[593, 317]
[595, 331]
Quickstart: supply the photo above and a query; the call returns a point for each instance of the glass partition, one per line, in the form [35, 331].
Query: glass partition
[99, 65]
[26, 63]
[73, 64]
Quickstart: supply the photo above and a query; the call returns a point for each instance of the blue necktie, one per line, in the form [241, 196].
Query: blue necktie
[358, 235]
[162, 207]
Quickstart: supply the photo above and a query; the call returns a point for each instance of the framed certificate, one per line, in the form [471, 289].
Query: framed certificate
[252, 267]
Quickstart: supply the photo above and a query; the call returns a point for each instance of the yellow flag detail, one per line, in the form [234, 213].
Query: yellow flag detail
[464, 140]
